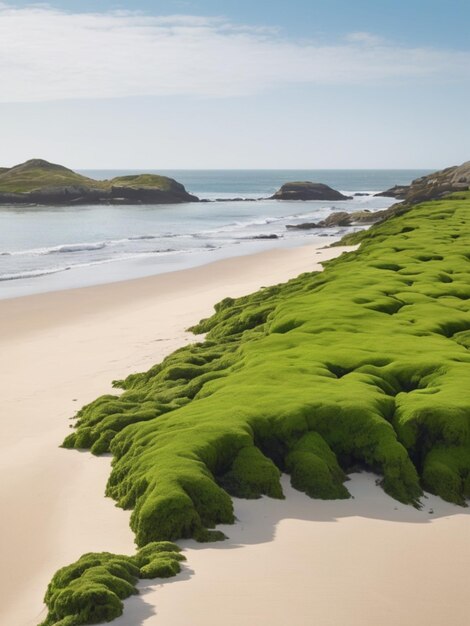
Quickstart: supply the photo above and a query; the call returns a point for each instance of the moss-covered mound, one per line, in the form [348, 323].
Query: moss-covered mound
[365, 364]
[91, 590]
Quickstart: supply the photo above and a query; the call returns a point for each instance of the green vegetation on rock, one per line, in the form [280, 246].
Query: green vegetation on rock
[92, 589]
[140, 181]
[364, 364]
[40, 182]
[37, 174]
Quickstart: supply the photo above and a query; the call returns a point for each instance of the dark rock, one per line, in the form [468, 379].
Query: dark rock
[266, 237]
[362, 194]
[338, 218]
[304, 226]
[236, 199]
[307, 191]
[341, 218]
[90, 195]
[365, 217]
[398, 191]
[151, 195]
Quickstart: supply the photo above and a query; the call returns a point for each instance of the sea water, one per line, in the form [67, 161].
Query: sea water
[49, 248]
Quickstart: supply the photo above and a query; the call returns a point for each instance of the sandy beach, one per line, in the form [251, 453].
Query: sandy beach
[359, 562]
[368, 560]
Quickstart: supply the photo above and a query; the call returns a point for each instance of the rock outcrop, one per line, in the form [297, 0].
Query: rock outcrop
[342, 218]
[40, 182]
[433, 186]
[307, 191]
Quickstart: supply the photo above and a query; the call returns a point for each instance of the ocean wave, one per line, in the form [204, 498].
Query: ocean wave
[77, 247]
[67, 248]
[223, 230]
[31, 273]
[62, 248]
[141, 237]
[234, 226]
[22, 274]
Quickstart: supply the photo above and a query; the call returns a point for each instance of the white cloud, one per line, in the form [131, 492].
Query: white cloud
[365, 38]
[49, 54]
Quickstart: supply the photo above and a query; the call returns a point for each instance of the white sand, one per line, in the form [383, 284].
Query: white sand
[61, 350]
[367, 561]
[375, 565]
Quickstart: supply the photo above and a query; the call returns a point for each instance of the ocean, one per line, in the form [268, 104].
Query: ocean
[49, 248]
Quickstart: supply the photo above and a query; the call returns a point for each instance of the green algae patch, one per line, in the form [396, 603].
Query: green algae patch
[365, 364]
[314, 468]
[92, 589]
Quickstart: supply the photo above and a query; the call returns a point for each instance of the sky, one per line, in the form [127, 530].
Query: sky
[200, 84]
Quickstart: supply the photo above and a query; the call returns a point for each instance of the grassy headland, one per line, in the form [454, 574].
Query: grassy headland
[37, 174]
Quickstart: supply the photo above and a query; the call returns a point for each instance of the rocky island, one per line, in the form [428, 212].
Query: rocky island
[39, 182]
[307, 191]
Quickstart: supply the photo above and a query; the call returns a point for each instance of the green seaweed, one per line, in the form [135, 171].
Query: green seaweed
[314, 468]
[364, 364]
[92, 589]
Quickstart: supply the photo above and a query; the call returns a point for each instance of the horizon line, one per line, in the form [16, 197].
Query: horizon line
[259, 169]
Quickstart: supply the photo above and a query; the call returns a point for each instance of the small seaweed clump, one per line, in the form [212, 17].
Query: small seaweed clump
[365, 364]
[92, 589]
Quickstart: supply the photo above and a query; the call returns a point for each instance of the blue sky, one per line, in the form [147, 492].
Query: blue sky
[433, 22]
[206, 84]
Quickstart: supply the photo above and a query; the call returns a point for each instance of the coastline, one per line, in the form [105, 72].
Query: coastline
[74, 247]
[47, 341]
[126, 271]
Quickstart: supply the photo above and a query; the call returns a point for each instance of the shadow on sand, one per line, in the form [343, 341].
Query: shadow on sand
[257, 521]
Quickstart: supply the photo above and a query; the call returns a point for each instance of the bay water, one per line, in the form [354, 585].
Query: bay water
[49, 248]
